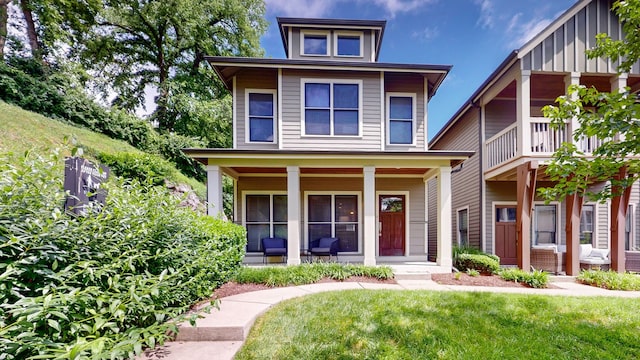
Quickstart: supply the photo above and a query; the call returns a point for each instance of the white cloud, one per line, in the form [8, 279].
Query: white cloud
[392, 7]
[322, 8]
[523, 32]
[428, 33]
[487, 13]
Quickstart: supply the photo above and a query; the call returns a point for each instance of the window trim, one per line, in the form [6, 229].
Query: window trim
[594, 233]
[632, 227]
[331, 82]
[247, 120]
[414, 114]
[337, 34]
[358, 195]
[270, 193]
[326, 34]
[534, 223]
[458, 211]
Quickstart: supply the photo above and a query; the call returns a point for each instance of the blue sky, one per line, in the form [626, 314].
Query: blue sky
[474, 36]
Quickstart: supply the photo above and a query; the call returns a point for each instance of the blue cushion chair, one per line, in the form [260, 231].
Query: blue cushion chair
[274, 246]
[326, 246]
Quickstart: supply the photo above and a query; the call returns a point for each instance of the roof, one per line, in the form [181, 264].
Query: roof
[226, 67]
[286, 22]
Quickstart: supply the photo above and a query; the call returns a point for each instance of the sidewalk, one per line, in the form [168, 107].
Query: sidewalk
[220, 335]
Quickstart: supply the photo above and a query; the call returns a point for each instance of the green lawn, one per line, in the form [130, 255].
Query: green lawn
[363, 324]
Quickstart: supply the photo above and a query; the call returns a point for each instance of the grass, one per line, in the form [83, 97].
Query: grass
[27, 131]
[364, 324]
[610, 280]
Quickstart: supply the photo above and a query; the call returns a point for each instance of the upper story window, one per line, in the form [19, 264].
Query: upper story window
[401, 118]
[314, 43]
[348, 44]
[260, 115]
[331, 107]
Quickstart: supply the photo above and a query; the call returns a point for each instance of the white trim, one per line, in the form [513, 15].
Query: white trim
[426, 218]
[632, 226]
[407, 217]
[372, 54]
[234, 116]
[457, 227]
[326, 34]
[275, 110]
[414, 119]
[594, 233]
[331, 82]
[235, 200]
[425, 109]
[280, 92]
[358, 194]
[493, 221]
[339, 33]
[382, 112]
[290, 41]
[534, 221]
[270, 193]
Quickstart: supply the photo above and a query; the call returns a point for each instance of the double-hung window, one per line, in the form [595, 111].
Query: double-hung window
[265, 216]
[348, 44]
[463, 227]
[544, 229]
[260, 115]
[314, 43]
[334, 215]
[586, 224]
[401, 118]
[331, 107]
[632, 241]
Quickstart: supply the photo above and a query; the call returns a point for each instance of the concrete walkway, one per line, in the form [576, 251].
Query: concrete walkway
[220, 335]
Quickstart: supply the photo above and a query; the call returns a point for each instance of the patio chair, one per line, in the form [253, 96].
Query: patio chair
[274, 246]
[591, 258]
[326, 246]
[547, 258]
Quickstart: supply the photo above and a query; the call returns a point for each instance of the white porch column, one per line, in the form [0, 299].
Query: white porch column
[523, 112]
[293, 215]
[369, 229]
[572, 79]
[214, 191]
[618, 83]
[444, 256]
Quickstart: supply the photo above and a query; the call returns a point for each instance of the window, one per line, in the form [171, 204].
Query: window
[544, 230]
[331, 108]
[463, 227]
[586, 224]
[266, 216]
[260, 110]
[632, 242]
[314, 43]
[348, 44]
[334, 216]
[401, 116]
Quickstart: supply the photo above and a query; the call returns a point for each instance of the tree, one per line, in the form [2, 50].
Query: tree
[611, 118]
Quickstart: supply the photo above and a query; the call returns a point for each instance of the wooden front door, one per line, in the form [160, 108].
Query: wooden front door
[506, 246]
[391, 228]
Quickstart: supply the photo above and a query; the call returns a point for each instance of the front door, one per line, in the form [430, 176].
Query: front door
[506, 247]
[391, 228]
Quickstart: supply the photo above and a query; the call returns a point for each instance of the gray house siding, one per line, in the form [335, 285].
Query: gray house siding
[496, 191]
[499, 114]
[296, 53]
[408, 84]
[432, 228]
[252, 79]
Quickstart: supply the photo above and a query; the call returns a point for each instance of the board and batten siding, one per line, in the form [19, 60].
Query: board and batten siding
[292, 137]
[266, 79]
[401, 83]
[564, 49]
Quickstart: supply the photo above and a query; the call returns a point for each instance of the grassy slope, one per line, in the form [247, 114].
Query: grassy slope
[23, 130]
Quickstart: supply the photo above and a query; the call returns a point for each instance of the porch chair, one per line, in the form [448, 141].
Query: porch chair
[326, 246]
[274, 246]
[591, 258]
[547, 258]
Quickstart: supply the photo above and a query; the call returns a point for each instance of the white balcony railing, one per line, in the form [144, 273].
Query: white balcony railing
[503, 146]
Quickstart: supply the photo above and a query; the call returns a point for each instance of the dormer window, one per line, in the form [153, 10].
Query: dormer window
[348, 44]
[315, 43]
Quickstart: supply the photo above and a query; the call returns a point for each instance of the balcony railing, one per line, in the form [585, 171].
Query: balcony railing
[544, 139]
[503, 146]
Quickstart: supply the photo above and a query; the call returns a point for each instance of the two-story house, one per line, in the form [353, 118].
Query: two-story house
[329, 142]
[495, 206]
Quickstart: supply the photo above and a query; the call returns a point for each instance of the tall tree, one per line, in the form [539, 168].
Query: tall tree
[609, 117]
[4, 18]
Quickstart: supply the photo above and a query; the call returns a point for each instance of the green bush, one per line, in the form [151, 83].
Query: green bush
[484, 264]
[101, 286]
[610, 280]
[534, 279]
[146, 168]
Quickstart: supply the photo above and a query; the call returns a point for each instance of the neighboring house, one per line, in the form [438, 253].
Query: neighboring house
[329, 142]
[494, 205]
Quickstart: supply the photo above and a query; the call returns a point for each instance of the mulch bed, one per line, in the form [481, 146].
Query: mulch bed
[481, 280]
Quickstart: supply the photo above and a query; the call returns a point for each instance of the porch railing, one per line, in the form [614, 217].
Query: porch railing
[503, 146]
[544, 138]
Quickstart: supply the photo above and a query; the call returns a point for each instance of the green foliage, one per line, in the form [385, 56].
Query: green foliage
[610, 280]
[101, 286]
[145, 168]
[308, 273]
[473, 272]
[535, 279]
[479, 262]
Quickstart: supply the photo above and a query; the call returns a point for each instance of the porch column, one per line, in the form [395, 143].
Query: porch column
[572, 79]
[619, 206]
[444, 257]
[214, 191]
[572, 230]
[618, 83]
[293, 215]
[526, 187]
[369, 229]
[523, 112]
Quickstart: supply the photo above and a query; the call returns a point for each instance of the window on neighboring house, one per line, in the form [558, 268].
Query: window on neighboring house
[334, 216]
[632, 243]
[544, 230]
[260, 115]
[463, 227]
[586, 224]
[401, 115]
[348, 44]
[331, 108]
[315, 43]
[266, 216]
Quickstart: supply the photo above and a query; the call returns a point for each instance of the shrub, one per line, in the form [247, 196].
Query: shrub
[473, 272]
[105, 285]
[534, 279]
[482, 263]
[145, 168]
[610, 280]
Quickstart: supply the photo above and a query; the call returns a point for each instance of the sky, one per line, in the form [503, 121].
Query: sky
[474, 36]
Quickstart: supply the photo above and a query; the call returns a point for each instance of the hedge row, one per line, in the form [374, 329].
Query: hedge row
[101, 286]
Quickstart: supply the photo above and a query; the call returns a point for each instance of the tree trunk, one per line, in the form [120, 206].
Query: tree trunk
[32, 35]
[4, 17]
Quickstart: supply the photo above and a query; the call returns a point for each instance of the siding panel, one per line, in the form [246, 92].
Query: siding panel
[252, 79]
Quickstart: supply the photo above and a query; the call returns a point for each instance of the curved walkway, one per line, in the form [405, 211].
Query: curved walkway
[220, 335]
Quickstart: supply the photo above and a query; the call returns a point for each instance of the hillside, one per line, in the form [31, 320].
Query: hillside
[24, 130]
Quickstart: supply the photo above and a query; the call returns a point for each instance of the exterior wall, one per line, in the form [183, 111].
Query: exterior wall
[496, 191]
[407, 84]
[499, 114]
[253, 79]
[432, 208]
[563, 50]
[294, 47]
